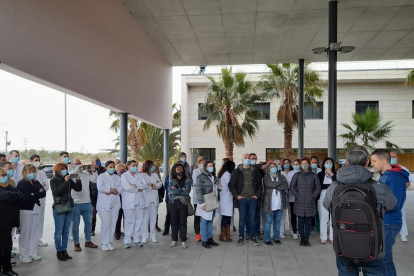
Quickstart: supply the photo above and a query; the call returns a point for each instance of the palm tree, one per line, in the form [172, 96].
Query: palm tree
[283, 83]
[410, 78]
[230, 105]
[368, 131]
[136, 137]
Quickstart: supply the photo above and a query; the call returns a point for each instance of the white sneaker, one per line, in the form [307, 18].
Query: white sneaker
[35, 257]
[110, 247]
[14, 248]
[26, 260]
[127, 245]
[104, 247]
[282, 236]
[42, 244]
[404, 238]
[295, 236]
[71, 238]
[173, 244]
[154, 240]
[144, 241]
[184, 245]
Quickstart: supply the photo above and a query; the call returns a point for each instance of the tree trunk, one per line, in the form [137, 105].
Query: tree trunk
[229, 151]
[133, 139]
[288, 133]
[228, 144]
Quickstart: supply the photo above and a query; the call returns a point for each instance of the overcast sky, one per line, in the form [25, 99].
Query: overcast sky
[35, 112]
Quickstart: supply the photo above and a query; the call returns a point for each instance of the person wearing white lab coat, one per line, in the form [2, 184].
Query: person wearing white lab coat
[109, 203]
[196, 172]
[286, 168]
[17, 167]
[293, 217]
[133, 214]
[226, 200]
[153, 182]
[42, 178]
[206, 183]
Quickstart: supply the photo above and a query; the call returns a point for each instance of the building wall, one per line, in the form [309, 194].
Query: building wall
[94, 50]
[395, 103]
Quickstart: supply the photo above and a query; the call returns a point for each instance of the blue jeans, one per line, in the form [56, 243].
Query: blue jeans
[304, 224]
[247, 211]
[275, 216]
[374, 268]
[206, 228]
[390, 232]
[62, 224]
[86, 211]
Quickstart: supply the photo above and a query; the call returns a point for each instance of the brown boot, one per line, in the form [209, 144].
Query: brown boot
[223, 234]
[77, 247]
[229, 239]
[90, 245]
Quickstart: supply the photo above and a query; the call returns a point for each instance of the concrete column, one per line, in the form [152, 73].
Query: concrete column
[166, 153]
[123, 137]
[301, 107]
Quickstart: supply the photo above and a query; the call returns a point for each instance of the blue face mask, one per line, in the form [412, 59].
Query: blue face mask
[134, 169]
[211, 170]
[305, 167]
[98, 163]
[65, 160]
[4, 179]
[273, 170]
[286, 166]
[393, 161]
[16, 160]
[252, 162]
[246, 162]
[314, 166]
[153, 168]
[296, 167]
[184, 160]
[201, 166]
[328, 166]
[111, 171]
[31, 176]
[64, 172]
[279, 167]
[10, 173]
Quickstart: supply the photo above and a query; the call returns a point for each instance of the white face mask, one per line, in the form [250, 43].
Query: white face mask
[36, 164]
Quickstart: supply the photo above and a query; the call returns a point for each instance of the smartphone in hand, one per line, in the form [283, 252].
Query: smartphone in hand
[73, 175]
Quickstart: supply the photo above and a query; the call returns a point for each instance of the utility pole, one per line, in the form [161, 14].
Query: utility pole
[25, 143]
[66, 126]
[7, 141]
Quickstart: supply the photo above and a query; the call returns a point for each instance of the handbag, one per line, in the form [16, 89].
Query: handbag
[211, 201]
[63, 208]
[191, 210]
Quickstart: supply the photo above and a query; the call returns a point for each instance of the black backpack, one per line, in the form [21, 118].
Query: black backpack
[357, 222]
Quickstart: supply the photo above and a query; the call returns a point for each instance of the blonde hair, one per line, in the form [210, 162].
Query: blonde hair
[26, 170]
[120, 165]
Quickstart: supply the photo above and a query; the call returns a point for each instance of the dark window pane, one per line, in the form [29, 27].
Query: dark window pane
[362, 106]
[312, 111]
[264, 110]
[202, 113]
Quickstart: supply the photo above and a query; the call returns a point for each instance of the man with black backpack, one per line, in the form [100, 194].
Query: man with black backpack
[395, 178]
[357, 203]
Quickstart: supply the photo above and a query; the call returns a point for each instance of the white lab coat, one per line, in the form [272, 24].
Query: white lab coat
[17, 173]
[128, 191]
[226, 197]
[324, 215]
[42, 178]
[150, 213]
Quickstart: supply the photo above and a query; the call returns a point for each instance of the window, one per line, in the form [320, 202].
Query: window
[264, 110]
[202, 113]
[361, 107]
[208, 154]
[313, 111]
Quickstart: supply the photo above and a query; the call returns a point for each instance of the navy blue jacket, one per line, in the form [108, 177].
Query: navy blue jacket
[396, 179]
[167, 187]
[27, 189]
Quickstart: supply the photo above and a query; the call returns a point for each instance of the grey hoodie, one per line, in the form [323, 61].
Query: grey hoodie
[353, 175]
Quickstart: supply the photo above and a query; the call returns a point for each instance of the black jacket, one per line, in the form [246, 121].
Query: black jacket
[27, 189]
[10, 200]
[306, 187]
[60, 189]
[93, 189]
[236, 183]
[321, 176]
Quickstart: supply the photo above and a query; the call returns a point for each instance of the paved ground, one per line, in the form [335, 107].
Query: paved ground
[225, 260]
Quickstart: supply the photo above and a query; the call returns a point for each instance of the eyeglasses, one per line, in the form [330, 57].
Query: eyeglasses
[77, 164]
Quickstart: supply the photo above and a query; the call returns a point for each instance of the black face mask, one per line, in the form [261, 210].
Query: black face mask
[180, 173]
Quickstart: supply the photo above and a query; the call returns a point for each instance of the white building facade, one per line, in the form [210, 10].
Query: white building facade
[357, 90]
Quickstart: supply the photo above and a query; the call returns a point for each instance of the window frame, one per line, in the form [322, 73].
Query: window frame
[320, 110]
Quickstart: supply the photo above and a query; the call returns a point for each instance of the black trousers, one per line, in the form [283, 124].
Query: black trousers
[197, 220]
[225, 220]
[94, 199]
[179, 213]
[167, 223]
[6, 245]
[293, 218]
[119, 221]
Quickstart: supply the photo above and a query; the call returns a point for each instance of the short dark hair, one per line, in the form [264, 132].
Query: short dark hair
[357, 155]
[129, 163]
[4, 163]
[225, 159]
[252, 154]
[11, 152]
[305, 159]
[382, 153]
[34, 156]
[2, 155]
[109, 163]
[314, 157]
[227, 167]
[63, 152]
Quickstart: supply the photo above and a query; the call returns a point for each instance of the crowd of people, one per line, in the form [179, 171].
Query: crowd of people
[264, 193]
